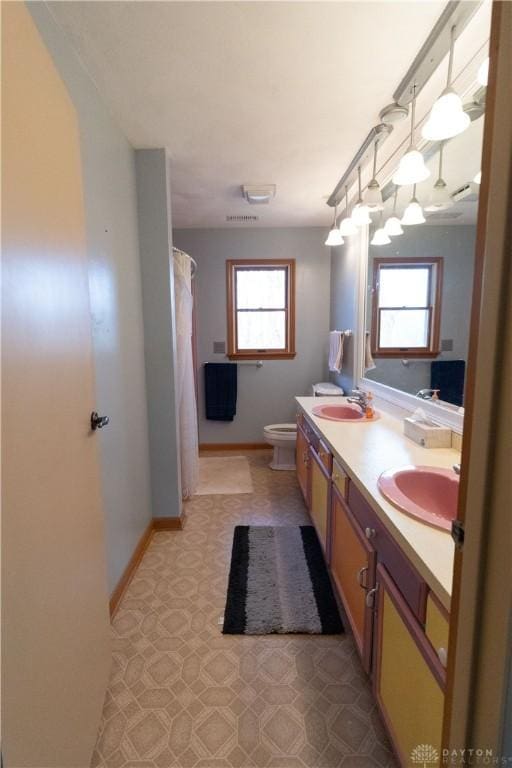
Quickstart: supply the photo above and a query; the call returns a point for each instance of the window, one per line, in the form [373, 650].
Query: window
[261, 308]
[406, 309]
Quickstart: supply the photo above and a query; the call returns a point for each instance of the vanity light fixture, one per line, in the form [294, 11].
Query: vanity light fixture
[412, 168]
[334, 237]
[373, 196]
[360, 212]
[478, 178]
[483, 72]
[447, 117]
[413, 214]
[380, 237]
[347, 226]
[440, 198]
[392, 227]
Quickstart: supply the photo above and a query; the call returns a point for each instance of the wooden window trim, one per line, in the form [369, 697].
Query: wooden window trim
[433, 350]
[288, 352]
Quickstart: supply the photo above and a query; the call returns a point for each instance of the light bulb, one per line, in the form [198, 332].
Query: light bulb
[347, 227]
[413, 214]
[478, 178]
[412, 169]
[380, 237]
[373, 196]
[440, 198]
[360, 215]
[483, 72]
[334, 237]
[392, 227]
[447, 118]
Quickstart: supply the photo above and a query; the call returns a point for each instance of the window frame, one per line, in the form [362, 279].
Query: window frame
[435, 265]
[287, 352]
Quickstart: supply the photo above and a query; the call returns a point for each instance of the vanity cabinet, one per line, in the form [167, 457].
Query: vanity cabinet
[353, 571]
[320, 496]
[408, 677]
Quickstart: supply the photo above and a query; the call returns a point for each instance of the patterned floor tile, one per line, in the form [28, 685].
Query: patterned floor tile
[182, 695]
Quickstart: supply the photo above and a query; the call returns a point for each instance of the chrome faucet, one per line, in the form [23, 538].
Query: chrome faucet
[360, 398]
[427, 394]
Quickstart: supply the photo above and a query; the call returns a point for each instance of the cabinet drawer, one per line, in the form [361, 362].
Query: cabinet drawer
[340, 479]
[413, 588]
[325, 456]
[310, 434]
[437, 625]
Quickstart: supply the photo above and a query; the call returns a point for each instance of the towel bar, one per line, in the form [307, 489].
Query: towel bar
[257, 363]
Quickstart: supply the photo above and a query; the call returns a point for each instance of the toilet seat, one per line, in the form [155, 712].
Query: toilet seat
[285, 432]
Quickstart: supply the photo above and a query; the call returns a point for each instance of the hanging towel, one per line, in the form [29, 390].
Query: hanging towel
[369, 363]
[336, 339]
[220, 388]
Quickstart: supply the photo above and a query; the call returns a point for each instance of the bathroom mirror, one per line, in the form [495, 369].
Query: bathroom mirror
[418, 288]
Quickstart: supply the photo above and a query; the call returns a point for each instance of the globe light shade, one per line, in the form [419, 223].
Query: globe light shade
[447, 118]
[347, 227]
[440, 199]
[361, 215]
[413, 214]
[412, 169]
[373, 196]
[380, 237]
[334, 237]
[483, 72]
[392, 227]
[478, 178]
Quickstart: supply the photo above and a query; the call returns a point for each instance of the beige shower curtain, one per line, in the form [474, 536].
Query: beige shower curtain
[186, 387]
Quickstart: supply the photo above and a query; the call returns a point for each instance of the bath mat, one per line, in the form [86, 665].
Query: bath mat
[278, 583]
[224, 475]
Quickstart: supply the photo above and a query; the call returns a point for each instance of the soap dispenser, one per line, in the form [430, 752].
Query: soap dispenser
[370, 411]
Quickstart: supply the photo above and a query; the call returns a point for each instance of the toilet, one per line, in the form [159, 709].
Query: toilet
[282, 437]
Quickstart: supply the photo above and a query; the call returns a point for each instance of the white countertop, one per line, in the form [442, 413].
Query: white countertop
[365, 450]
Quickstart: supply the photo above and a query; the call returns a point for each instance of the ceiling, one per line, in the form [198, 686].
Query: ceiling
[248, 92]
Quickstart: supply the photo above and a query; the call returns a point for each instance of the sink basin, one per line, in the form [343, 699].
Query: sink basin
[427, 493]
[345, 412]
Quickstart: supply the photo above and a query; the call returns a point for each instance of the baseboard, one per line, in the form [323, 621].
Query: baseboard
[155, 524]
[130, 569]
[233, 446]
[168, 523]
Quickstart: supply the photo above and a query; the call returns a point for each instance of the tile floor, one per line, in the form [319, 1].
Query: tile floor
[183, 695]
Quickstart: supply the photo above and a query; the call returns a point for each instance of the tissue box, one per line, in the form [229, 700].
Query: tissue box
[427, 434]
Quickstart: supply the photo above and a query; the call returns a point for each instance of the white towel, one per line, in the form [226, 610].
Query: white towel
[369, 363]
[335, 351]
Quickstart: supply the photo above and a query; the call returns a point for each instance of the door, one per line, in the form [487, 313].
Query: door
[353, 571]
[408, 679]
[302, 462]
[56, 648]
[320, 498]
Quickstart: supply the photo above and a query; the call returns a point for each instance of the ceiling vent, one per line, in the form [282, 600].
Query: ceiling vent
[468, 193]
[259, 194]
[241, 219]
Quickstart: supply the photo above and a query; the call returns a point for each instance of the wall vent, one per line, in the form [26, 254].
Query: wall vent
[241, 219]
[442, 215]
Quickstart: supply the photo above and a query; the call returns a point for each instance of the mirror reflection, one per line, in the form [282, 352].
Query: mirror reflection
[420, 275]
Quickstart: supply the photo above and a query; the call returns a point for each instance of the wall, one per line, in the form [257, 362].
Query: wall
[344, 300]
[456, 244]
[265, 395]
[108, 166]
[155, 238]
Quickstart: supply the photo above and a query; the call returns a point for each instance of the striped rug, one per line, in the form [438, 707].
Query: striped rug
[278, 583]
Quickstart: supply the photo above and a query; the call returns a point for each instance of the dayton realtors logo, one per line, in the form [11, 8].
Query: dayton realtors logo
[425, 755]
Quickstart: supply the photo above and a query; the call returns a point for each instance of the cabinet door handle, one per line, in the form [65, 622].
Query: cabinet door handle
[442, 655]
[360, 574]
[370, 597]
[369, 533]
